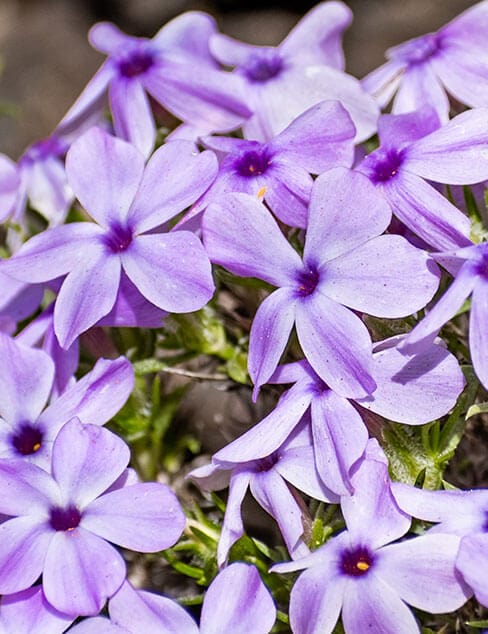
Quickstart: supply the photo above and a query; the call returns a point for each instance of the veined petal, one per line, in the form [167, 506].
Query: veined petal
[456, 154]
[249, 608]
[26, 379]
[337, 345]
[232, 526]
[23, 545]
[145, 517]
[26, 489]
[171, 270]
[71, 578]
[87, 294]
[97, 625]
[28, 611]
[269, 335]
[478, 339]
[339, 440]
[269, 434]
[420, 87]
[240, 234]
[463, 72]
[399, 130]
[345, 211]
[108, 38]
[104, 173]
[385, 277]
[287, 193]
[86, 460]
[446, 307]
[136, 610]
[132, 114]
[422, 571]
[175, 176]
[52, 253]
[473, 551]
[48, 189]
[426, 212]
[190, 33]
[317, 38]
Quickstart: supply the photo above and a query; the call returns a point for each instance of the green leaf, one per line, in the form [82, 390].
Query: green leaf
[477, 408]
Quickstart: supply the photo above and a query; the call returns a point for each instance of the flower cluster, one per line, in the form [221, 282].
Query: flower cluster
[265, 191]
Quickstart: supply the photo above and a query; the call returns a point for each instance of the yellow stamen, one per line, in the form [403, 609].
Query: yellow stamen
[362, 565]
[261, 192]
[36, 447]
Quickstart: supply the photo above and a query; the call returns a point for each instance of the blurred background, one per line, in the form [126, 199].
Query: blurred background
[47, 60]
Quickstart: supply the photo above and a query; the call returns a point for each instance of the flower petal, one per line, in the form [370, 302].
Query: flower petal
[478, 339]
[28, 611]
[473, 551]
[26, 489]
[232, 526]
[171, 270]
[420, 87]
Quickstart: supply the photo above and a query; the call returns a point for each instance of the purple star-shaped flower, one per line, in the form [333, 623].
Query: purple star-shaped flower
[174, 67]
[306, 68]
[60, 525]
[346, 263]
[422, 70]
[127, 201]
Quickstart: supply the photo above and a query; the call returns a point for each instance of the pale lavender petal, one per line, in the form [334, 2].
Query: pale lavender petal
[269, 335]
[319, 139]
[248, 608]
[420, 87]
[446, 307]
[240, 234]
[97, 625]
[345, 211]
[422, 571]
[456, 154]
[137, 611]
[473, 551]
[414, 389]
[337, 345]
[386, 277]
[272, 493]
[398, 130]
[28, 611]
[232, 526]
[19, 300]
[316, 599]
[372, 512]
[339, 439]
[95, 398]
[190, 33]
[26, 379]
[65, 361]
[478, 339]
[171, 270]
[52, 253]
[87, 294]
[132, 114]
[105, 173]
[145, 517]
[71, 577]
[317, 38]
[48, 189]
[175, 176]
[287, 193]
[211, 477]
[463, 73]
[26, 489]
[23, 545]
[382, 83]
[426, 212]
[99, 459]
[231, 52]
[108, 38]
[371, 604]
[9, 185]
[269, 434]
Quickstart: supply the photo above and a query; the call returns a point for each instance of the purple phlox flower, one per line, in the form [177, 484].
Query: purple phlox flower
[307, 67]
[248, 608]
[174, 67]
[414, 150]
[346, 265]
[27, 427]
[317, 140]
[28, 612]
[127, 201]
[360, 574]
[462, 513]
[471, 279]
[410, 389]
[59, 523]
[268, 478]
[9, 187]
[17, 301]
[422, 70]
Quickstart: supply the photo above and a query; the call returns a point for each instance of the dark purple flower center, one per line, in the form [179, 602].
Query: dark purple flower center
[252, 163]
[307, 281]
[263, 66]
[64, 519]
[265, 464]
[383, 165]
[356, 561]
[118, 238]
[27, 439]
[421, 49]
[136, 63]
